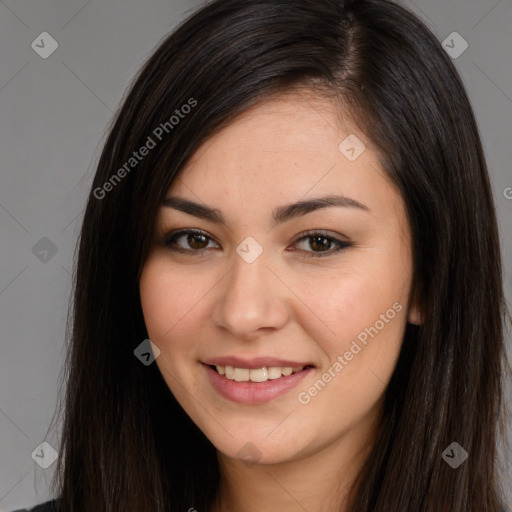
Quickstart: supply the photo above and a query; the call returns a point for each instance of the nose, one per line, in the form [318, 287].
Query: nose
[251, 300]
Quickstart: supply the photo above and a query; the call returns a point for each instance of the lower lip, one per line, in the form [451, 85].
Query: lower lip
[254, 392]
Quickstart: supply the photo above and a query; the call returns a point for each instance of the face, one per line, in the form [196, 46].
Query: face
[242, 288]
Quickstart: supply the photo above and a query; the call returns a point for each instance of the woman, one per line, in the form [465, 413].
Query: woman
[293, 206]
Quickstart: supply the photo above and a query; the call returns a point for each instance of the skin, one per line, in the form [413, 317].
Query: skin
[284, 304]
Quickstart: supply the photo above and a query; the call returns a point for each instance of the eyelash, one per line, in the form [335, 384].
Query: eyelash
[170, 240]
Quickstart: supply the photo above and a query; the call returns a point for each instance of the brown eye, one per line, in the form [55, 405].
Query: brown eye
[197, 241]
[320, 243]
[317, 244]
[187, 241]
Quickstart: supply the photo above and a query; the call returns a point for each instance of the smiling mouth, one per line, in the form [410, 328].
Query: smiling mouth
[256, 374]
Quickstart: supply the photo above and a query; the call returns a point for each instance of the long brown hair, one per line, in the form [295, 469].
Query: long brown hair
[127, 445]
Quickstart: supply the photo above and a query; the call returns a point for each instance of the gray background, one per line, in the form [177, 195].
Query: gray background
[54, 117]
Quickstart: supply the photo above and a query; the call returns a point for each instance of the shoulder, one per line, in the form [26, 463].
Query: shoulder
[48, 506]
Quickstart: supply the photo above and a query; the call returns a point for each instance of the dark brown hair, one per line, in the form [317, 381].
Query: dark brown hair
[127, 445]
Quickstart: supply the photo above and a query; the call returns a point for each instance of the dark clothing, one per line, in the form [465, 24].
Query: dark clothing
[49, 506]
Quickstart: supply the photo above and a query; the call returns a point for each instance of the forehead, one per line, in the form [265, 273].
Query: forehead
[282, 150]
[293, 124]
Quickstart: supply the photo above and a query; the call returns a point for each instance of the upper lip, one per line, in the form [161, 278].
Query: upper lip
[256, 362]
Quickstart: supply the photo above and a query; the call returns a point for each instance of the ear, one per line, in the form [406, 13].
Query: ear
[415, 313]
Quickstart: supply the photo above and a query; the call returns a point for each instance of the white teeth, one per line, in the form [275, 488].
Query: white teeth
[274, 373]
[259, 375]
[256, 374]
[242, 374]
[230, 372]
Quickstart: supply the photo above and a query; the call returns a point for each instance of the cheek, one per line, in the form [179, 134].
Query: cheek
[169, 298]
[170, 302]
[349, 303]
[360, 357]
[361, 314]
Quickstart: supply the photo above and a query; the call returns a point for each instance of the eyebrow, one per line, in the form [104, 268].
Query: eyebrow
[280, 215]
